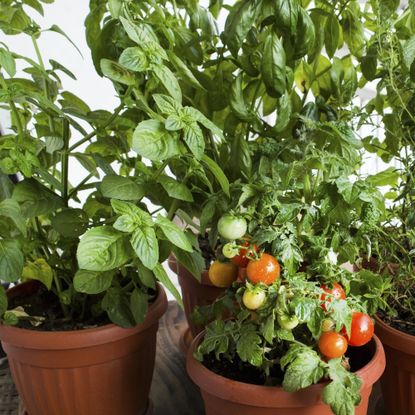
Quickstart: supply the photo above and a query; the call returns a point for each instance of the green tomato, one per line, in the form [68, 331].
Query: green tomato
[253, 299]
[229, 250]
[232, 227]
[287, 322]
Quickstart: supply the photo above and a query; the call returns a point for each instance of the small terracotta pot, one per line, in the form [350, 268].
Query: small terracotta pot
[224, 396]
[398, 381]
[101, 371]
[194, 293]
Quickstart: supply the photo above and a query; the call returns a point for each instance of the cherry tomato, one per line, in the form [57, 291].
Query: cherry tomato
[223, 274]
[229, 250]
[232, 227]
[332, 344]
[253, 299]
[327, 325]
[362, 329]
[241, 260]
[336, 292]
[287, 322]
[266, 269]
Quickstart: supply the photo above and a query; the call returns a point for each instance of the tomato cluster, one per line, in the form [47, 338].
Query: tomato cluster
[332, 344]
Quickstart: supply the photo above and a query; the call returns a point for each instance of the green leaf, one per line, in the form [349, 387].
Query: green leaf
[122, 188]
[174, 122]
[273, 66]
[153, 141]
[238, 23]
[353, 31]
[92, 282]
[139, 33]
[34, 4]
[287, 14]
[196, 115]
[137, 215]
[139, 305]
[216, 339]
[237, 101]
[341, 313]
[174, 234]
[183, 71]
[70, 223]
[146, 276]
[11, 209]
[167, 105]
[11, 260]
[39, 270]
[7, 62]
[115, 7]
[57, 29]
[116, 72]
[36, 199]
[102, 249]
[388, 177]
[249, 347]
[303, 367]
[176, 189]
[331, 34]
[134, 59]
[193, 137]
[284, 113]
[169, 81]
[117, 306]
[218, 173]
[304, 307]
[162, 276]
[145, 244]
[192, 261]
[3, 300]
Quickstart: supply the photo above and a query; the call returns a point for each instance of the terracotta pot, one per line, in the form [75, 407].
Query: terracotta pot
[398, 381]
[101, 371]
[194, 293]
[224, 396]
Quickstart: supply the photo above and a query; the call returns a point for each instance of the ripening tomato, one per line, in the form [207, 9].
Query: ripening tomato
[332, 344]
[223, 274]
[253, 299]
[232, 227]
[336, 292]
[362, 329]
[241, 260]
[266, 269]
[288, 322]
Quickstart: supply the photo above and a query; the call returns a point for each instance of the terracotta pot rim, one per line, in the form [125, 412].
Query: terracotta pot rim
[395, 338]
[271, 396]
[75, 339]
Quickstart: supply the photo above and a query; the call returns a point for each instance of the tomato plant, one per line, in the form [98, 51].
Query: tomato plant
[232, 227]
[265, 269]
[241, 260]
[332, 344]
[223, 274]
[336, 291]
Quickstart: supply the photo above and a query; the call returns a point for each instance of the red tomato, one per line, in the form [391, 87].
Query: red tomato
[332, 344]
[336, 292]
[241, 260]
[266, 269]
[362, 329]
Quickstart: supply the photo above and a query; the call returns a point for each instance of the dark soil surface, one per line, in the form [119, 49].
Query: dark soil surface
[404, 322]
[243, 372]
[43, 303]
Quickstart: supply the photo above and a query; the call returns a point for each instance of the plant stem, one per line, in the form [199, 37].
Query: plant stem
[59, 290]
[75, 189]
[65, 161]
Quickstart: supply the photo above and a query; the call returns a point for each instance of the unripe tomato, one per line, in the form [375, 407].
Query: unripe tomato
[287, 322]
[229, 250]
[241, 260]
[232, 227]
[223, 274]
[332, 344]
[336, 292]
[327, 325]
[253, 299]
[266, 269]
[362, 329]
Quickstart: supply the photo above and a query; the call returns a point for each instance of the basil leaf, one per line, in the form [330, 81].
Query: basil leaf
[273, 66]
[145, 245]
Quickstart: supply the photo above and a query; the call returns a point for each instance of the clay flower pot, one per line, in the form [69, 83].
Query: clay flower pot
[224, 396]
[398, 381]
[101, 371]
[194, 294]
